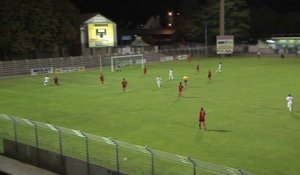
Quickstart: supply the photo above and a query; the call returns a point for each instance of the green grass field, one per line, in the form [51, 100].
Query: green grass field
[249, 125]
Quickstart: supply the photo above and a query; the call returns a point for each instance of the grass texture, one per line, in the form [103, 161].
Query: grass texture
[249, 125]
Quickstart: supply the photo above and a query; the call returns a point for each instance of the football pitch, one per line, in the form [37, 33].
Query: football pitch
[248, 123]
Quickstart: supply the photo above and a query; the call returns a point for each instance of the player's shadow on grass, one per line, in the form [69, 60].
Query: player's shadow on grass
[218, 130]
[129, 92]
[191, 97]
[53, 85]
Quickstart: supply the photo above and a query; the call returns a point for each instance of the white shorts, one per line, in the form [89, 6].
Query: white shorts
[289, 104]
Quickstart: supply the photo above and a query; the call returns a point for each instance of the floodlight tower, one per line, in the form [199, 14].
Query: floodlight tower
[222, 18]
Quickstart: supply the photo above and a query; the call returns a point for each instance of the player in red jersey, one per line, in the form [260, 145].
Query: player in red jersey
[202, 118]
[189, 57]
[209, 75]
[145, 71]
[101, 78]
[180, 89]
[124, 84]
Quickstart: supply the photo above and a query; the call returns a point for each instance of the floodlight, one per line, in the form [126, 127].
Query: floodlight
[270, 41]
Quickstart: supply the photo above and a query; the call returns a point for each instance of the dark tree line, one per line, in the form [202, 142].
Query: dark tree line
[245, 20]
[198, 15]
[31, 27]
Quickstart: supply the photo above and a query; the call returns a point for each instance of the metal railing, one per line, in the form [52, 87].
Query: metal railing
[106, 152]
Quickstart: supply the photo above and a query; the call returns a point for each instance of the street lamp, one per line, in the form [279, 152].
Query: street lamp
[170, 19]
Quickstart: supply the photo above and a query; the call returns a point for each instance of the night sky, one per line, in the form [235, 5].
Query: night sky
[141, 10]
[133, 10]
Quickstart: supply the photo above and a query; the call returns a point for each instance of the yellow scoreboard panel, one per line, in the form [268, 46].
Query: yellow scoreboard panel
[101, 35]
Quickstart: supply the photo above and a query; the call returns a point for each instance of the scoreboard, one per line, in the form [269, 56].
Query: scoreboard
[101, 35]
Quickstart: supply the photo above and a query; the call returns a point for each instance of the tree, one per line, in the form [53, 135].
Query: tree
[68, 30]
[33, 26]
[190, 23]
[14, 38]
[237, 20]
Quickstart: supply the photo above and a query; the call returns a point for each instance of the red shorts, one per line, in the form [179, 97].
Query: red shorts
[202, 120]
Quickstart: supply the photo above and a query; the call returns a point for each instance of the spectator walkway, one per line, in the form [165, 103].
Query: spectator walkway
[10, 166]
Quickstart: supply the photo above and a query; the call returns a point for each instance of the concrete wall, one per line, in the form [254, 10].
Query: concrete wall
[52, 161]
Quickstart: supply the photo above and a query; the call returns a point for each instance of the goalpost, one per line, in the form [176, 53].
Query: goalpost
[124, 60]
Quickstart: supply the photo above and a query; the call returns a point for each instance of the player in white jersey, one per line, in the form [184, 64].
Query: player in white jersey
[158, 81]
[289, 100]
[46, 80]
[171, 74]
[219, 67]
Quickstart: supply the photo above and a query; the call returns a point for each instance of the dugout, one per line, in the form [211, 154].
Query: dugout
[285, 44]
[96, 33]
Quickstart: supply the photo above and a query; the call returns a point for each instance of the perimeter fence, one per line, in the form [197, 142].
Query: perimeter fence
[72, 152]
[23, 67]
